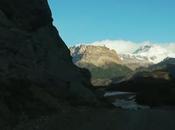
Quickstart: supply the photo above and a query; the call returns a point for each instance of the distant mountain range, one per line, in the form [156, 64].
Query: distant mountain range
[106, 64]
[145, 56]
[153, 53]
[103, 63]
[152, 78]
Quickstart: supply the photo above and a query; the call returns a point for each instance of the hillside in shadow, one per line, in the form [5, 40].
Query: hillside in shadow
[154, 88]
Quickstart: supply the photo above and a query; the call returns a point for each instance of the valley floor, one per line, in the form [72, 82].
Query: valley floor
[85, 118]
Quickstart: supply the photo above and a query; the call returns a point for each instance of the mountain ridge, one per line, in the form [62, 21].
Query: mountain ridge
[142, 55]
[98, 55]
[103, 63]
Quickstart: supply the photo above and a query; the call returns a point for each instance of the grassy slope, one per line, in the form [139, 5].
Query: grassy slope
[109, 71]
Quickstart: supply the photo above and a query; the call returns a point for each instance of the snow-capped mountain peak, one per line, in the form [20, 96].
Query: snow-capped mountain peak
[150, 50]
[144, 48]
[146, 55]
[153, 53]
[135, 55]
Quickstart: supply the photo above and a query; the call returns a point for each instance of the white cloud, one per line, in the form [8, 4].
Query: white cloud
[123, 46]
[170, 47]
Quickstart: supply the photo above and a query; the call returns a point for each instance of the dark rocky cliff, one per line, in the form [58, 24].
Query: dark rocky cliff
[36, 70]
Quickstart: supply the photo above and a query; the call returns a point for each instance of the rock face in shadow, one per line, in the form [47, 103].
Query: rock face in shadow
[30, 46]
[36, 70]
[153, 88]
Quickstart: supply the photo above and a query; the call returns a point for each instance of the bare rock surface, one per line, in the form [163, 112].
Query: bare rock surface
[103, 63]
[96, 55]
[36, 70]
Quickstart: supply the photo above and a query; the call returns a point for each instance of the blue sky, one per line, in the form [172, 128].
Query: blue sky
[134, 20]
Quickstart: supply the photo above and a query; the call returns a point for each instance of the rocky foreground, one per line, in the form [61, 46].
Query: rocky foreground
[104, 119]
[36, 71]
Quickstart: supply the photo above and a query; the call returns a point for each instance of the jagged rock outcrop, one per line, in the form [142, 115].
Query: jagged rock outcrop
[103, 63]
[36, 70]
[30, 45]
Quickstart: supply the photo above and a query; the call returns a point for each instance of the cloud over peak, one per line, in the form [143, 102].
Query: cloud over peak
[124, 46]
